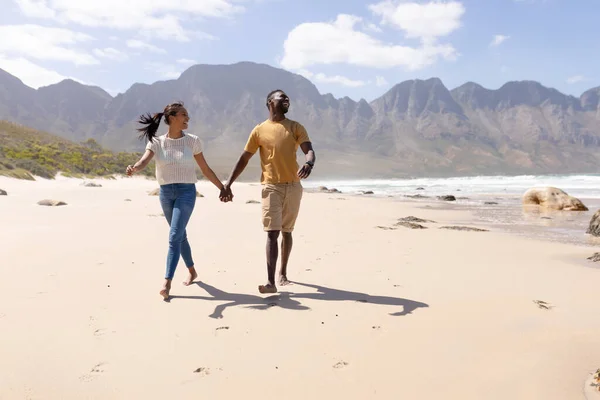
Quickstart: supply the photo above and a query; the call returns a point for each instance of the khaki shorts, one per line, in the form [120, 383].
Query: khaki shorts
[280, 205]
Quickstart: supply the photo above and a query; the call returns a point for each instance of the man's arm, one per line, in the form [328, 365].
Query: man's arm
[309, 152]
[238, 168]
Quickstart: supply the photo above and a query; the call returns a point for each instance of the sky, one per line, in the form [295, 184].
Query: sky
[353, 48]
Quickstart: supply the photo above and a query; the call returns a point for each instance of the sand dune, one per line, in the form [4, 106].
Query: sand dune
[374, 313]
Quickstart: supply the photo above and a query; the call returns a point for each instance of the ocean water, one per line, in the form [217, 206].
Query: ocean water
[582, 186]
[507, 215]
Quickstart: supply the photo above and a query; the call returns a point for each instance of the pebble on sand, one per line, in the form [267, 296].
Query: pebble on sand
[51, 203]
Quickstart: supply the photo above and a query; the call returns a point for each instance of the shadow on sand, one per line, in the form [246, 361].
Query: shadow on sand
[291, 301]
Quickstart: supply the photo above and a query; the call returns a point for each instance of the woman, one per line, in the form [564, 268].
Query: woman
[177, 154]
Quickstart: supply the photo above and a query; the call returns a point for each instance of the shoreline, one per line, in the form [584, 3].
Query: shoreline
[549, 226]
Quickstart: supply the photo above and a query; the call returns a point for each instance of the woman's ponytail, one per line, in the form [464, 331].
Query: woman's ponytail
[151, 123]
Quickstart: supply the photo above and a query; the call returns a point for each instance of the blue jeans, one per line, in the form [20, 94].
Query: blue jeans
[178, 201]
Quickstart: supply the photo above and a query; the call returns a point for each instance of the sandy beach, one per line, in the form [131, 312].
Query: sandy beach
[373, 313]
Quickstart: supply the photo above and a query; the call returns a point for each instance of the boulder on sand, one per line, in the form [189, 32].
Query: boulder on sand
[594, 227]
[3, 192]
[553, 199]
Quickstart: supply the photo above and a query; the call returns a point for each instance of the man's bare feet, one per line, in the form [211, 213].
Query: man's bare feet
[283, 280]
[191, 277]
[166, 289]
[268, 288]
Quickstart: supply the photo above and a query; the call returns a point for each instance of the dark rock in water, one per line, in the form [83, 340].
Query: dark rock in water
[458, 190]
[252, 202]
[448, 197]
[595, 257]
[415, 219]
[386, 228]
[420, 188]
[367, 192]
[416, 196]
[490, 203]
[464, 228]
[3, 192]
[327, 190]
[545, 218]
[410, 225]
[51, 203]
[127, 199]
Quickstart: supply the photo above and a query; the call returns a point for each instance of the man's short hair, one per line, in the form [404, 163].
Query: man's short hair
[271, 93]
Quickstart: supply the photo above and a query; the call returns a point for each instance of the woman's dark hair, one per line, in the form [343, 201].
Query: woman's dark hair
[151, 122]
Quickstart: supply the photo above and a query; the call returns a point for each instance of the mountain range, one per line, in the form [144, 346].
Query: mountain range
[416, 128]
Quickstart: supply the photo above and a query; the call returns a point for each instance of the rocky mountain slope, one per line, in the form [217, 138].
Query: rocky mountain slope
[418, 127]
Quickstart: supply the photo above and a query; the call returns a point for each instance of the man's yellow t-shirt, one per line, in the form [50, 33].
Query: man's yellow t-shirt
[278, 143]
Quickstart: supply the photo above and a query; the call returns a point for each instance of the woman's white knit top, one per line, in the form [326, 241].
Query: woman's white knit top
[175, 161]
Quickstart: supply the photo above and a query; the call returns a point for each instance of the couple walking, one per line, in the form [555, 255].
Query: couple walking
[177, 154]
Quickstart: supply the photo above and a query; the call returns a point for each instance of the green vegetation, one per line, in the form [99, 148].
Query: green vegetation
[25, 152]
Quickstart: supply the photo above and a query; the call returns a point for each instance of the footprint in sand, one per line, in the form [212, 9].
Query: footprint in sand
[93, 374]
[543, 305]
[222, 327]
[340, 364]
[377, 327]
[202, 371]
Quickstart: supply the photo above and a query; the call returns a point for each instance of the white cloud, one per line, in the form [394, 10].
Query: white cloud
[151, 18]
[44, 43]
[425, 21]
[35, 9]
[498, 40]
[31, 74]
[575, 79]
[140, 45]
[373, 28]
[110, 53]
[339, 42]
[337, 79]
[163, 70]
[380, 81]
[186, 61]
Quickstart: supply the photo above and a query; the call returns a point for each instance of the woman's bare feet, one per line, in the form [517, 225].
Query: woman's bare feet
[166, 289]
[268, 288]
[191, 277]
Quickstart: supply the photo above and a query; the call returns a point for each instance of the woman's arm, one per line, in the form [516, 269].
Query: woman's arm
[141, 164]
[207, 171]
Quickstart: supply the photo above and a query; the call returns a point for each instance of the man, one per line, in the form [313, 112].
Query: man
[278, 139]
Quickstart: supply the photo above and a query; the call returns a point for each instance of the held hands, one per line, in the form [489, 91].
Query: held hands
[226, 195]
[305, 171]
